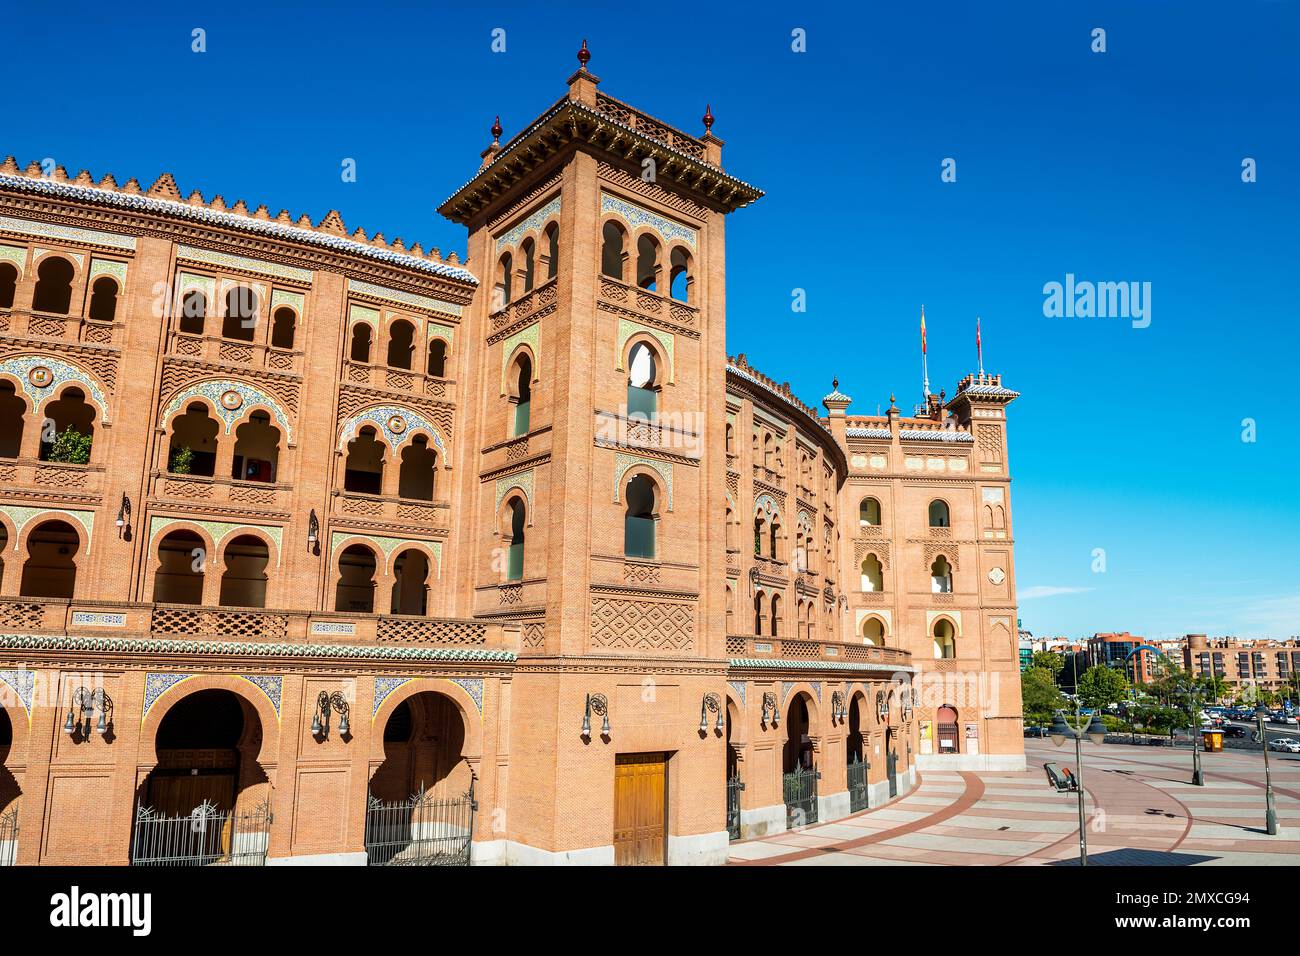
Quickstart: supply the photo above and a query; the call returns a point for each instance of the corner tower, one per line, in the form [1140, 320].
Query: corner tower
[596, 353]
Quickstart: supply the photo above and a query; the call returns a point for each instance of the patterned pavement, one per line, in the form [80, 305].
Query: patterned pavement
[1141, 807]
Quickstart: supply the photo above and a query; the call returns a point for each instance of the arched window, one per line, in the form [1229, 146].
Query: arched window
[612, 252]
[241, 314]
[528, 252]
[12, 411]
[869, 513]
[938, 514]
[419, 464]
[411, 583]
[355, 590]
[639, 522]
[760, 613]
[50, 570]
[681, 278]
[243, 582]
[103, 300]
[873, 632]
[71, 430]
[945, 643]
[8, 284]
[401, 344]
[648, 265]
[642, 382]
[53, 286]
[438, 358]
[179, 576]
[551, 249]
[731, 439]
[776, 615]
[731, 530]
[501, 291]
[257, 449]
[194, 312]
[364, 471]
[360, 348]
[515, 560]
[769, 452]
[941, 576]
[731, 608]
[193, 446]
[872, 577]
[774, 534]
[521, 392]
[759, 530]
[282, 328]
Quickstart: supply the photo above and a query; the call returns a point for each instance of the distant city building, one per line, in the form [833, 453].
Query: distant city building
[1264, 664]
[1124, 651]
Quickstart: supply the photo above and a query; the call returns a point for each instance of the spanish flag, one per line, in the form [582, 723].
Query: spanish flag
[922, 330]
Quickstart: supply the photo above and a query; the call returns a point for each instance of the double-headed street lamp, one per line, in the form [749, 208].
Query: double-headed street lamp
[1270, 811]
[1076, 729]
[1193, 695]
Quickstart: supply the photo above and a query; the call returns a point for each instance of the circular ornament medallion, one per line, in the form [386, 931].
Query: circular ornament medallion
[231, 400]
[40, 376]
[997, 576]
[397, 424]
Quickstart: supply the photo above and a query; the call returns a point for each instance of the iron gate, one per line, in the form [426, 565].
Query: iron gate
[420, 830]
[800, 790]
[857, 773]
[9, 836]
[734, 786]
[205, 836]
[891, 769]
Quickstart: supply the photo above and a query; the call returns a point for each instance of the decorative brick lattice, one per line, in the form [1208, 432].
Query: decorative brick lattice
[641, 574]
[61, 477]
[989, 438]
[98, 334]
[415, 630]
[253, 496]
[534, 634]
[800, 650]
[736, 646]
[258, 625]
[23, 615]
[641, 625]
[422, 513]
[178, 488]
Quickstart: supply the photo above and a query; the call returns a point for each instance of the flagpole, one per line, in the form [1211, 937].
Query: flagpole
[979, 344]
[925, 370]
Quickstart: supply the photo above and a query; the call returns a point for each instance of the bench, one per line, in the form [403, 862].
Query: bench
[1062, 781]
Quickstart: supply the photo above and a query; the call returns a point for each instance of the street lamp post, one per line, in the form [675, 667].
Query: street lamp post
[1270, 811]
[1190, 689]
[1075, 730]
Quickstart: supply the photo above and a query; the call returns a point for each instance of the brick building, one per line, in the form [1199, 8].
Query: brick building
[370, 553]
[1241, 664]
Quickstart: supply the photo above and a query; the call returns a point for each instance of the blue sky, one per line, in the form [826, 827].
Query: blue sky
[1116, 166]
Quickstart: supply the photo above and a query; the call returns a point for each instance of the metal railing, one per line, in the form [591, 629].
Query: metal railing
[734, 786]
[800, 790]
[9, 836]
[205, 836]
[857, 781]
[420, 830]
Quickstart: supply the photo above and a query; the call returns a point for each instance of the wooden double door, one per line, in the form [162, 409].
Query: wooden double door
[640, 809]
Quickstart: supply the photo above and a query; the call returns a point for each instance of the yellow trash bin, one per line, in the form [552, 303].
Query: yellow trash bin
[1213, 741]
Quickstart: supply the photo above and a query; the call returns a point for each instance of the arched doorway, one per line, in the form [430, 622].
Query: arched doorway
[946, 720]
[244, 580]
[855, 755]
[420, 810]
[799, 774]
[179, 576]
[355, 590]
[411, 583]
[50, 570]
[10, 791]
[891, 761]
[206, 801]
[733, 781]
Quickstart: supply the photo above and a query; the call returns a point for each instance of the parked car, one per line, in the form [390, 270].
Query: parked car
[1285, 744]
[1285, 719]
[1035, 731]
[1232, 731]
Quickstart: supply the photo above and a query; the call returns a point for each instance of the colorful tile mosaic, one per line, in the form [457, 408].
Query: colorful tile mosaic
[623, 462]
[20, 515]
[388, 545]
[78, 257]
[155, 685]
[384, 686]
[423, 302]
[669, 231]
[85, 237]
[738, 687]
[383, 418]
[362, 313]
[225, 260]
[62, 372]
[23, 684]
[213, 389]
[218, 531]
[523, 481]
[529, 336]
[108, 267]
[270, 686]
[15, 254]
[152, 645]
[294, 300]
[534, 221]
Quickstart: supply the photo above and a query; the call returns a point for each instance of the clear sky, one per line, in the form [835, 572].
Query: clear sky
[1117, 166]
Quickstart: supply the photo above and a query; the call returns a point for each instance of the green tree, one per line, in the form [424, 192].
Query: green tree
[182, 461]
[1039, 696]
[70, 447]
[1214, 687]
[1049, 661]
[1100, 686]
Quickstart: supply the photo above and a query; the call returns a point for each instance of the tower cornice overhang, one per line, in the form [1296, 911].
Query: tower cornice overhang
[570, 125]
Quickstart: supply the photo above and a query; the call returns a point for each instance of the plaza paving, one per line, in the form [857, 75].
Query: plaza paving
[1142, 810]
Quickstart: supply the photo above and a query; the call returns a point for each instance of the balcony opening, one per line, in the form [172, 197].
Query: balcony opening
[193, 447]
[551, 241]
[50, 570]
[359, 350]
[257, 449]
[364, 470]
[355, 590]
[194, 313]
[411, 583]
[873, 632]
[612, 254]
[515, 558]
[241, 314]
[639, 521]
[941, 576]
[282, 328]
[53, 286]
[416, 478]
[103, 300]
[521, 395]
[8, 284]
[945, 642]
[401, 344]
[642, 382]
[648, 265]
[178, 578]
[437, 358]
[69, 430]
[528, 250]
[873, 578]
[243, 582]
[12, 412]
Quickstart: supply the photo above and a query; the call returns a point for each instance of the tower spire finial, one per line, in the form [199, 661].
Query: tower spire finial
[584, 55]
[496, 130]
[708, 118]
